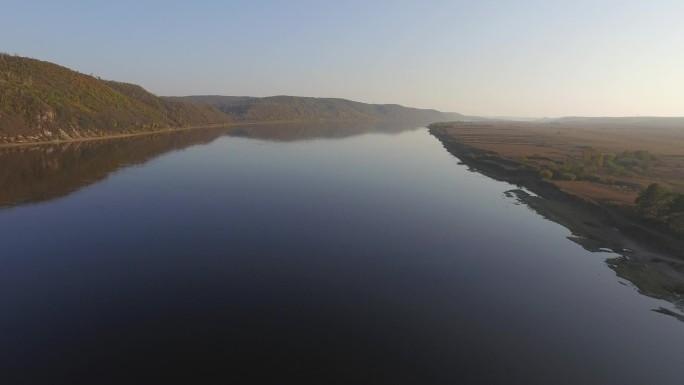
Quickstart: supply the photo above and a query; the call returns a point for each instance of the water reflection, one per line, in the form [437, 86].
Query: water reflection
[374, 259]
[652, 275]
[43, 172]
[329, 130]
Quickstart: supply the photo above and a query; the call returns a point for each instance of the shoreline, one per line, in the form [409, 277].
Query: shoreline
[595, 223]
[106, 137]
[652, 262]
[176, 129]
[134, 134]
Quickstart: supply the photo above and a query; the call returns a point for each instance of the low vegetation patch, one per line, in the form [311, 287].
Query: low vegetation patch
[600, 167]
[661, 204]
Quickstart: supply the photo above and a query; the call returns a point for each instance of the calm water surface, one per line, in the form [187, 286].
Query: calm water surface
[258, 256]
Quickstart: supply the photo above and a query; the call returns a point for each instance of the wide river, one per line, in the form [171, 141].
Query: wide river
[303, 254]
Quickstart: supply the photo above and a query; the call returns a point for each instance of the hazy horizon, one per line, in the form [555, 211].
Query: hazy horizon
[493, 58]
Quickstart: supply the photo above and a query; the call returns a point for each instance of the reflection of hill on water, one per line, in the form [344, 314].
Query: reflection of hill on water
[289, 132]
[43, 172]
[39, 173]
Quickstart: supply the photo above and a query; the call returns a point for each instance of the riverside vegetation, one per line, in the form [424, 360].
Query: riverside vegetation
[628, 201]
[636, 191]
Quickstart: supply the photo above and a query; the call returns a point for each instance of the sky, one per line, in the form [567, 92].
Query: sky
[492, 58]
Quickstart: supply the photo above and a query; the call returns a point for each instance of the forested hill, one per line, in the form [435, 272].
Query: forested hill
[42, 101]
[294, 108]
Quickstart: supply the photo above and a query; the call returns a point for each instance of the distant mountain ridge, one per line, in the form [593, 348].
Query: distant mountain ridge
[295, 108]
[42, 101]
[641, 121]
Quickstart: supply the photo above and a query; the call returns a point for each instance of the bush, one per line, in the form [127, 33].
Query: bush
[654, 200]
[545, 174]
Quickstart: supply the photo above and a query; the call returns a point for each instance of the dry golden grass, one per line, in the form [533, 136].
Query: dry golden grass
[597, 191]
[539, 143]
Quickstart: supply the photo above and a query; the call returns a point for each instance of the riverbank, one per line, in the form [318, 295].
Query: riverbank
[20, 142]
[596, 226]
[69, 139]
[26, 143]
[501, 154]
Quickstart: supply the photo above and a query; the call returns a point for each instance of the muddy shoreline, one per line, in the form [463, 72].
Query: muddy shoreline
[594, 213]
[653, 261]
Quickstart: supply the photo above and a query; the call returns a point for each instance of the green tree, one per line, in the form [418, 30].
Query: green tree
[654, 200]
[676, 205]
[675, 213]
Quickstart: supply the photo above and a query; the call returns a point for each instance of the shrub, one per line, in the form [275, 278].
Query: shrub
[545, 174]
[654, 200]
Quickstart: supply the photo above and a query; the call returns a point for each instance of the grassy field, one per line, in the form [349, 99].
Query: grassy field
[609, 161]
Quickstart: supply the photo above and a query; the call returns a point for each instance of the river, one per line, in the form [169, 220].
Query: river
[362, 254]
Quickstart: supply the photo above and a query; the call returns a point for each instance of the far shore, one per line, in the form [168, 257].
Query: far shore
[141, 133]
[167, 130]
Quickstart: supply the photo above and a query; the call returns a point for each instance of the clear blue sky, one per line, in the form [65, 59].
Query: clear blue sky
[506, 58]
